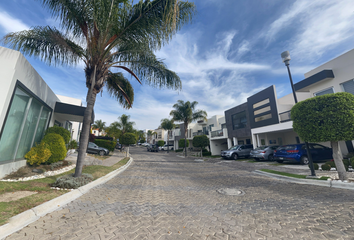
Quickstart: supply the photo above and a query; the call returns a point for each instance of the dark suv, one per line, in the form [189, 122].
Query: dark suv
[237, 151]
[298, 153]
[153, 148]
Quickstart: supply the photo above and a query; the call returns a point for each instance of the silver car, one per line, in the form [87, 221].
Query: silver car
[237, 151]
[263, 153]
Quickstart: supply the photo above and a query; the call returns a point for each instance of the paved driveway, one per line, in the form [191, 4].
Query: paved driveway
[162, 196]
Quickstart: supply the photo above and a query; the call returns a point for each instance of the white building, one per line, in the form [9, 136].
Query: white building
[27, 108]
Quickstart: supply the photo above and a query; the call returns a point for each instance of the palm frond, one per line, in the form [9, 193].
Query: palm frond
[121, 89]
[47, 43]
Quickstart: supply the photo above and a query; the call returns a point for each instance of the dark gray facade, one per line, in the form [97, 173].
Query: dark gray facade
[238, 133]
[261, 115]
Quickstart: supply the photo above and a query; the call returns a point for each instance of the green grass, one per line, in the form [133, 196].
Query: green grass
[290, 174]
[213, 156]
[44, 192]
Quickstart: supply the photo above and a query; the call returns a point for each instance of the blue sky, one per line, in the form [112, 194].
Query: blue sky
[230, 52]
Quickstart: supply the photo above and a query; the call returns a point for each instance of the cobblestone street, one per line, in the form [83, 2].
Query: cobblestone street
[162, 196]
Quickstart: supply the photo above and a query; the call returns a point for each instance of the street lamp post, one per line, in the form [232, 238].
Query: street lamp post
[286, 59]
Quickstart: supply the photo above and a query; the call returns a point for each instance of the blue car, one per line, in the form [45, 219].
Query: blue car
[298, 153]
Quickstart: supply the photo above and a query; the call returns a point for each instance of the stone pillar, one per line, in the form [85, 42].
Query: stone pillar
[254, 141]
[258, 141]
[229, 143]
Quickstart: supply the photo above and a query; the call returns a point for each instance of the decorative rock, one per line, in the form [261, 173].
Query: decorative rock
[38, 170]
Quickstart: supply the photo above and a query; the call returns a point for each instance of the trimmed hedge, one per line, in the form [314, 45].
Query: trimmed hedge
[61, 131]
[160, 143]
[206, 154]
[110, 145]
[56, 145]
[326, 167]
[315, 166]
[73, 144]
[181, 143]
[200, 141]
[128, 138]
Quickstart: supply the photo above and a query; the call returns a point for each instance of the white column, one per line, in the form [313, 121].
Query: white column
[258, 142]
[229, 143]
[254, 140]
[235, 141]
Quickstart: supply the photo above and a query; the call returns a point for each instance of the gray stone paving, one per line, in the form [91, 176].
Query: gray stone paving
[161, 196]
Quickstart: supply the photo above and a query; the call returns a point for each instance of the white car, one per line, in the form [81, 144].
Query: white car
[164, 148]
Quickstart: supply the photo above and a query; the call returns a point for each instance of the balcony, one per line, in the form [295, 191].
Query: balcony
[202, 122]
[285, 116]
[217, 133]
[200, 133]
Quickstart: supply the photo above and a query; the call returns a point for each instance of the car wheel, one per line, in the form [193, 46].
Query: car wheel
[270, 157]
[280, 161]
[304, 160]
[234, 156]
[101, 153]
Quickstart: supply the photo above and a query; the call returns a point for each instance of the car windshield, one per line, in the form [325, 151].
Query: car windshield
[234, 147]
[261, 148]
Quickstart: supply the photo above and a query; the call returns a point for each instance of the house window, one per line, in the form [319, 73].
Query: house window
[264, 117]
[239, 120]
[223, 125]
[210, 126]
[24, 125]
[323, 92]
[348, 86]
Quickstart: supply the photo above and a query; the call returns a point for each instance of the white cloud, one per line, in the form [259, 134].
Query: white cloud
[318, 25]
[11, 24]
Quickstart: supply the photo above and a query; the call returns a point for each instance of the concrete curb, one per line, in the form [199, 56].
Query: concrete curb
[21, 220]
[334, 184]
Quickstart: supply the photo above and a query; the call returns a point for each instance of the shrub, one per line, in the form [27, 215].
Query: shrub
[160, 143]
[326, 167]
[315, 166]
[181, 143]
[38, 154]
[128, 138]
[352, 163]
[61, 131]
[331, 163]
[142, 140]
[56, 145]
[350, 155]
[200, 141]
[72, 144]
[179, 150]
[110, 145]
[55, 165]
[206, 154]
[69, 181]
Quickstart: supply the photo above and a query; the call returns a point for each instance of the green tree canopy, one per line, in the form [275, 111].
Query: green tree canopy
[185, 112]
[181, 143]
[326, 118]
[108, 37]
[99, 125]
[160, 143]
[128, 138]
[200, 141]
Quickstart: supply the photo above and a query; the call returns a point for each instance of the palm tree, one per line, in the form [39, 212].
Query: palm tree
[168, 125]
[107, 34]
[114, 130]
[99, 125]
[125, 125]
[184, 112]
[150, 133]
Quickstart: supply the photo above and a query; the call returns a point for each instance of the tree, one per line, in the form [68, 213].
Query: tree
[127, 139]
[99, 125]
[168, 125]
[107, 34]
[326, 118]
[125, 125]
[200, 141]
[185, 112]
[150, 133]
[160, 143]
[182, 143]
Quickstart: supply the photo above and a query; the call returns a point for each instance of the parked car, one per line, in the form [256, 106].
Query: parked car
[164, 148]
[120, 146]
[263, 152]
[145, 144]
[93, 148]
[153, 148]
[298, 153]
[237, 151]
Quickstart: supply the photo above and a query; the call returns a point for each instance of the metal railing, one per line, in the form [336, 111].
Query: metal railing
[217, 133]
[200, 133]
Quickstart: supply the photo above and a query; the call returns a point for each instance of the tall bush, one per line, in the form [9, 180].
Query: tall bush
[38, 154]
[110, 145]
[160, 143]
[56, 145]
[127, 139]
[200, 141]
[326, 118]
[61, 131]
[181, 143]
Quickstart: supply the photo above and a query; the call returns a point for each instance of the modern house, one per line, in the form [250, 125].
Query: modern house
[27, 108]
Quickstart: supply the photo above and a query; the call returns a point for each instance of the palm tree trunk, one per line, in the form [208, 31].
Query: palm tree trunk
[185, 139]
[337, 156]
[85, 132]
[168, 142]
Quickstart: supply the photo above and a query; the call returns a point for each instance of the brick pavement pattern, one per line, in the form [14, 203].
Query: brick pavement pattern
[161, 196]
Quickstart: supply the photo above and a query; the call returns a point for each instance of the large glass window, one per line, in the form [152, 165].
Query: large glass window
[323, 92]
[24, 125]
[348, 86]
[239, 120]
